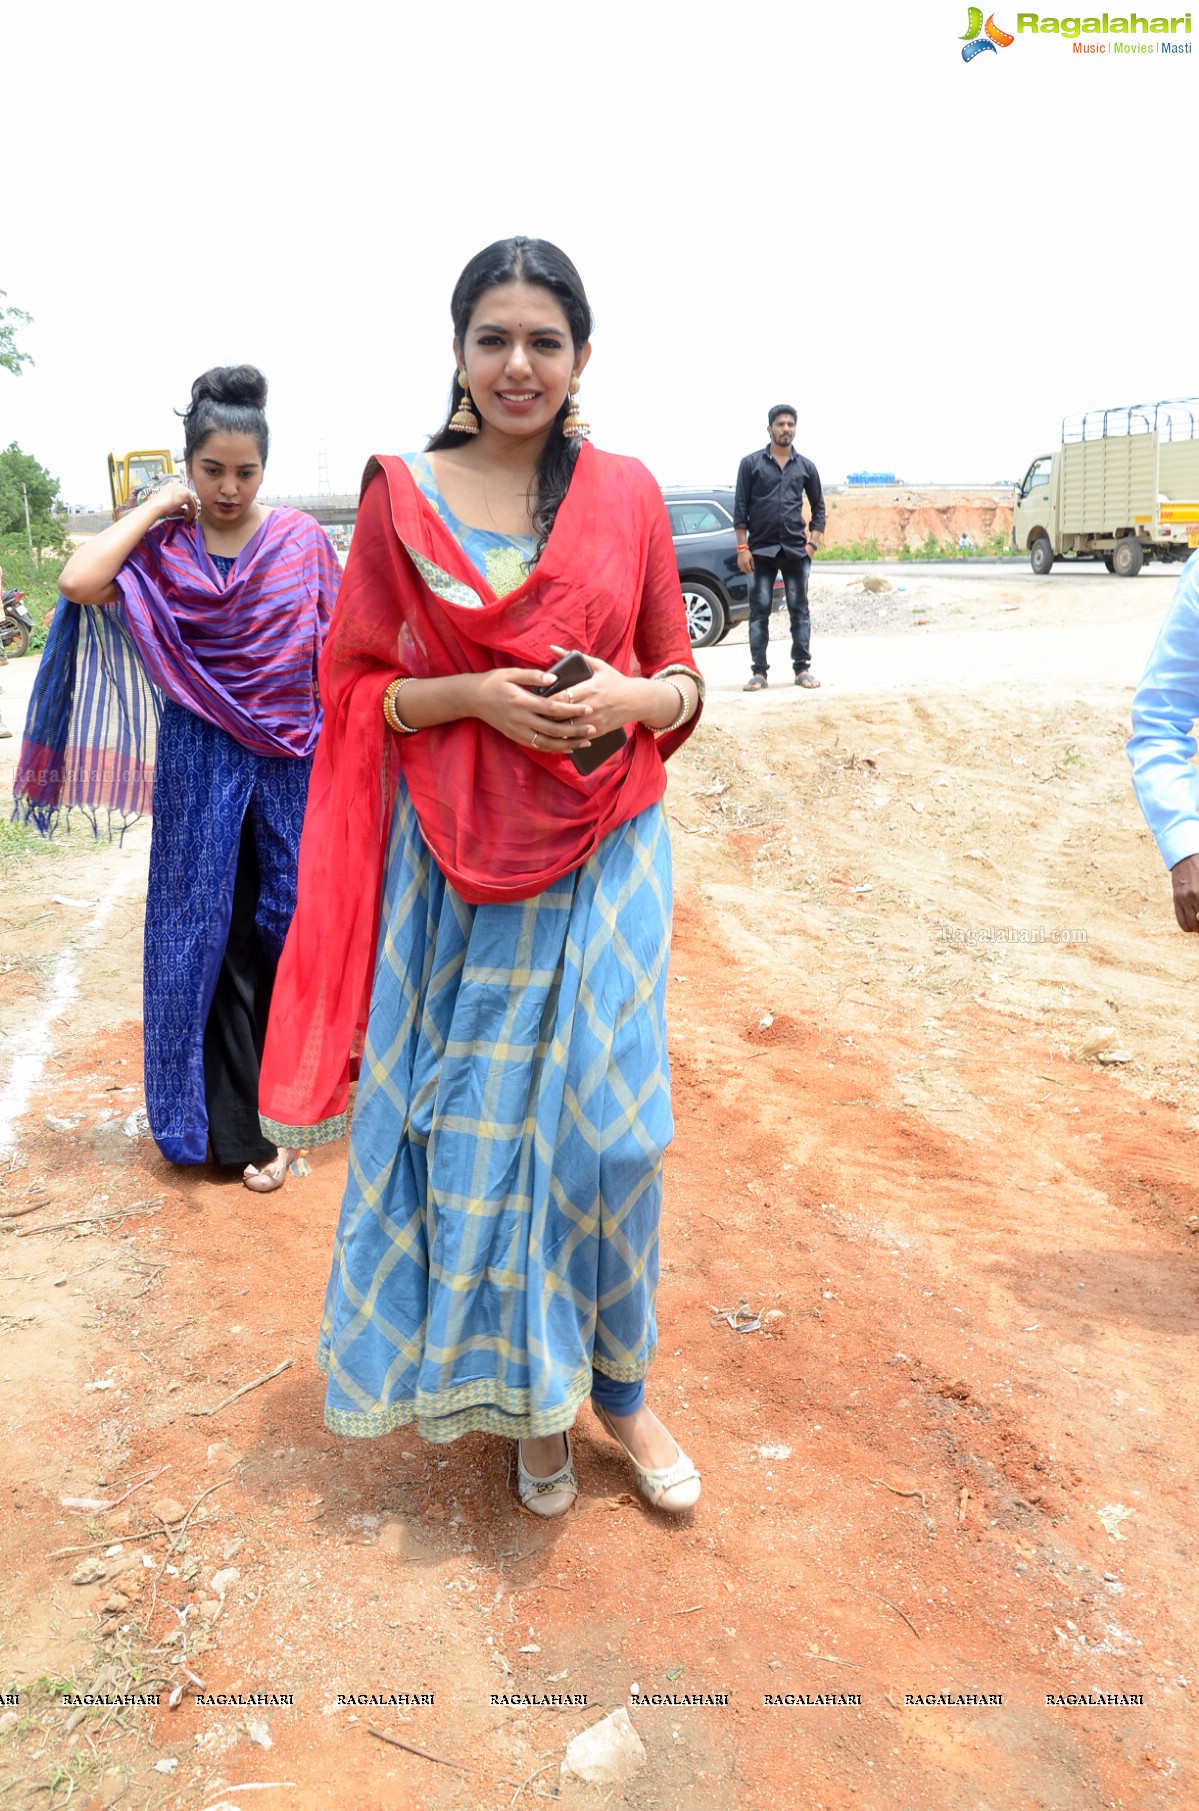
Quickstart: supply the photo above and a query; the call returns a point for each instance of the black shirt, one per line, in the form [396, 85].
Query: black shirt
[769, 501]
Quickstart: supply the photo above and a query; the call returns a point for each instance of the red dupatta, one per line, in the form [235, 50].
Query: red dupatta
[501, 821]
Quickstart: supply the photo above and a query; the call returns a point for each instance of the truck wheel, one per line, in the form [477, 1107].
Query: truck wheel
[1128, 558]
[1040, 556]
[1109, 562]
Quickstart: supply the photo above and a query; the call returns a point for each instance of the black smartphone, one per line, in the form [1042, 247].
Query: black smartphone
[573, 669]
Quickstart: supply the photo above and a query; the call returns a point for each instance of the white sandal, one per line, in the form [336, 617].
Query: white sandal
[675, 1488]
[551, 1496]
[271, 1176]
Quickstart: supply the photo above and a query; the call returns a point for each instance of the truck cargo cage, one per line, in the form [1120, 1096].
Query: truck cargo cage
[1173, 419]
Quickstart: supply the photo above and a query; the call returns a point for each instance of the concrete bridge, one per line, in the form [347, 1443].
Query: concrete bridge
[330, 511]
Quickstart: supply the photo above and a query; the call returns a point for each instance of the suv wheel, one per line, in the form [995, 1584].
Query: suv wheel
[707, 622]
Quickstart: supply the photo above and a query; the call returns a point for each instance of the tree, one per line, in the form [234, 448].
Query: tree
[10, 319]
[21, 476]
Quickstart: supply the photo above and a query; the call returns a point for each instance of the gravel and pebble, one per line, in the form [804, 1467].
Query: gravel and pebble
[847, 607]
[853, 609]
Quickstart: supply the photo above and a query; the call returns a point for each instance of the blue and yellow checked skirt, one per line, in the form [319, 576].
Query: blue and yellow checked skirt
[499, 1232]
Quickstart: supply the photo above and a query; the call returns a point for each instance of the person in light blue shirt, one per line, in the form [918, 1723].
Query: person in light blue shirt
[1162, 746]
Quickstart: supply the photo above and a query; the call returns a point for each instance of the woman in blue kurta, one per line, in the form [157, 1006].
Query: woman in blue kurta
[204, 618]
[500, 929]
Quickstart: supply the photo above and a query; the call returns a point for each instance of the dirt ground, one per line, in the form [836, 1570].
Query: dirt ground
[905, 515]
[927, 1314]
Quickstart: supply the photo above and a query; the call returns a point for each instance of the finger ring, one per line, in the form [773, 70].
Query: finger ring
[533, 743]
[570, 697]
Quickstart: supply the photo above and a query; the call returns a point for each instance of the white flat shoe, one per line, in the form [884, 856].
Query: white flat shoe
[271, 1176]
[674, 1489]
[547, 1497]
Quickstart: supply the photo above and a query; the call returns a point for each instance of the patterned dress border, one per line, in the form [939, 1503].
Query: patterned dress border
[303, 1138]
[451, 1414]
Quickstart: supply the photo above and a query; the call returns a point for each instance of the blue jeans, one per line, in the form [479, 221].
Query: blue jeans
[617, 1398]
[794, 568]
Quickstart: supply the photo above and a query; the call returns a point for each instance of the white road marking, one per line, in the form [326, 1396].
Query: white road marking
[32, 1046]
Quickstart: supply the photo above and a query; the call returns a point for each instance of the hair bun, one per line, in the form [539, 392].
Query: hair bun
[229, 399]
[242, 386]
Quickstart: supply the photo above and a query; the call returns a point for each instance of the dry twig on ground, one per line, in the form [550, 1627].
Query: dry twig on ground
[245, 1389]
[900, 1493]
[96, 1219]
[439, 1759]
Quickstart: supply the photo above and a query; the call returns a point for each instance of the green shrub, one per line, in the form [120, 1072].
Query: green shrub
[931, 548]
[19, 844]
[851, 550]
[39, 583]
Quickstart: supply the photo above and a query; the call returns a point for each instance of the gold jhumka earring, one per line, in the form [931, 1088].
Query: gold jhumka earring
[574, 427]
[464, 420]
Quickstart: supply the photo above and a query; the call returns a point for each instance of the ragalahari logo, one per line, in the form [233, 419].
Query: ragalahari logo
[974, 39]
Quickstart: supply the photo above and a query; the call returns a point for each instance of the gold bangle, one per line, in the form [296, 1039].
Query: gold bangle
[684, 708]
[391, 715]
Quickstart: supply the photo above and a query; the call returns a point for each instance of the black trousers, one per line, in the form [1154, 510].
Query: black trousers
[235, 1030]
[794, 568]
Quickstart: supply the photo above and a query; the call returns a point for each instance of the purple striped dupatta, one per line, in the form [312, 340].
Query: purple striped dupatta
[241, 653]
[92, 727]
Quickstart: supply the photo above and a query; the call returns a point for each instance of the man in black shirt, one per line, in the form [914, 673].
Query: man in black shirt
[772, 538]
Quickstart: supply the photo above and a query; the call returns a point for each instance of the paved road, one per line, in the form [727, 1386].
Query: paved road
[1059, 660]
[1072, 659]
[1014, 569]
[1083, 638]
[16, 683]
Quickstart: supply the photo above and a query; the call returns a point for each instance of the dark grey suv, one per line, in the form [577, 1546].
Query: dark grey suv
[705, 546]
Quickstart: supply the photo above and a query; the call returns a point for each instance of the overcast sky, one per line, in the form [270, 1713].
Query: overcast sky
[779, 201]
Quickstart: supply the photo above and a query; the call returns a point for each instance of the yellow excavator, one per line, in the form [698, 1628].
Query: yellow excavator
[130, 472]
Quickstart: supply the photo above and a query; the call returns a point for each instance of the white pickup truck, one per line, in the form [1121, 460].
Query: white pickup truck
[1123, 487]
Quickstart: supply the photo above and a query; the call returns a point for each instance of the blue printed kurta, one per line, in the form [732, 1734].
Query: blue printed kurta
[205, 783]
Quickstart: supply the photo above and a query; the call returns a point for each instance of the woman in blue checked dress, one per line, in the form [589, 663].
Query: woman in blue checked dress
[508, 909]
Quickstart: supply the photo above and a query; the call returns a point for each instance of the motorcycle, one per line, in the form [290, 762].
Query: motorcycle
[17, 625]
